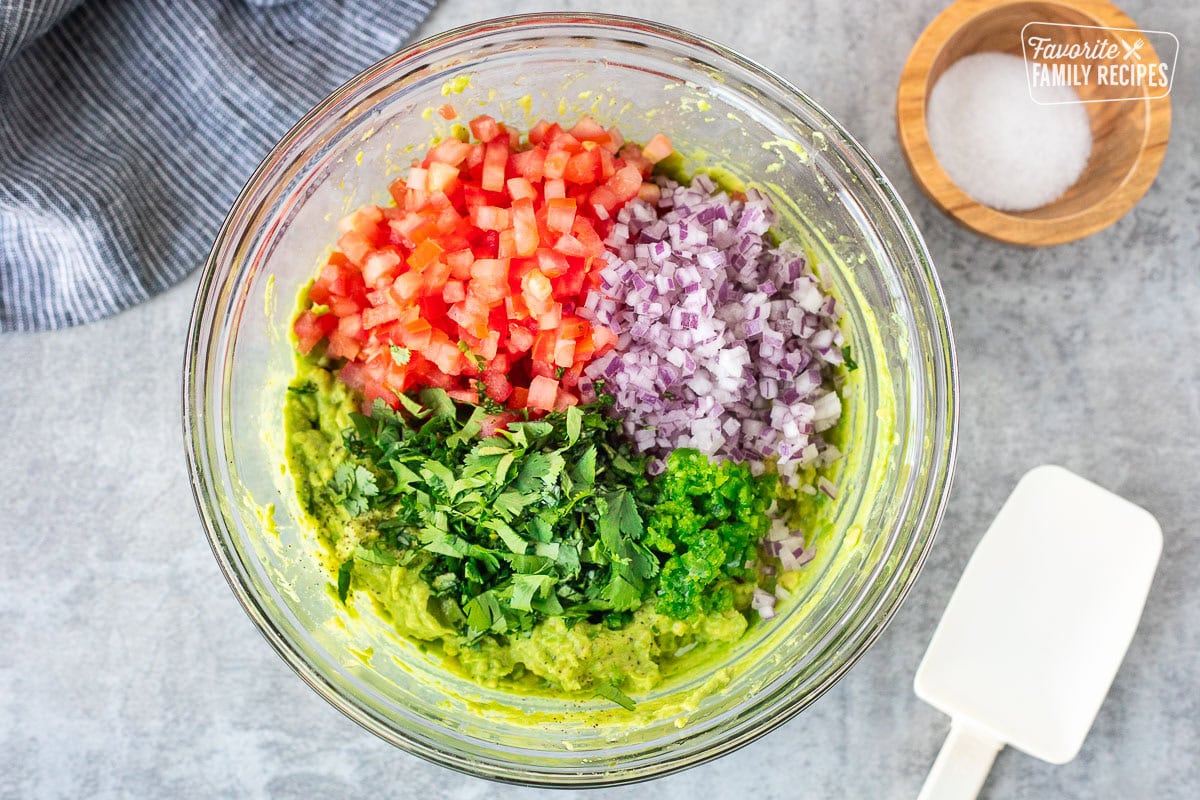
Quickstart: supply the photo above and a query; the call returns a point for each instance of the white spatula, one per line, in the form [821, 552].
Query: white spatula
[1037, 627]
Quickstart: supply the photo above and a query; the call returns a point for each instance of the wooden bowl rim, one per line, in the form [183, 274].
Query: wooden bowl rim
[911, 99]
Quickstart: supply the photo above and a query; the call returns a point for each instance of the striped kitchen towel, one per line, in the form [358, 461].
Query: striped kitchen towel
[127, 128]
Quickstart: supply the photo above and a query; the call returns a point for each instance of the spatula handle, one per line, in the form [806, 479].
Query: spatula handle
[962, 765]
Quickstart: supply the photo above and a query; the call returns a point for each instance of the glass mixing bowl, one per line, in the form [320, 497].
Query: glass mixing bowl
[722, 111]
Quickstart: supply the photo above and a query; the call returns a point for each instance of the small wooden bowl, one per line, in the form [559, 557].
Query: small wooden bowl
[1129, 137]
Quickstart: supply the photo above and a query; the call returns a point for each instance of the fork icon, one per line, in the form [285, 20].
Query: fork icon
[1131, 51]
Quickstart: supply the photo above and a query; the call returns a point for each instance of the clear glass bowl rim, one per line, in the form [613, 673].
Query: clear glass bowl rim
[198, 364]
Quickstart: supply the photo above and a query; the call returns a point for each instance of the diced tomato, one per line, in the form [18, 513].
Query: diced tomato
[418, 179]
[377, 315]
[441, 177]
[417, 335]
[447, 224]
[529, 164]
[380, 265]
[615, 140]
[587, 129]
[561, 140]
[560, 214]
[444, 354]
[412, 229]
[434, 277]
[542, 393]
[658, 148]
[450, 151]
[564, 353]
[489, 279]
[583, 230]
[355, 247]
[551, 262]
[525, 229]
[581, 167]
[556, 164]
[490, 346]
[399, 191]
[490, 218]
[474, 156]
[343, 307]
[605, 199]
[447, 112]
[350, 326]
[585, 351]
[625, 183]
[551, 318]
[494, 160]
[426, 253]
[454, 291]
[520, 189]
[537, 291]
[516, 307]
[491, 425]
[631, 154]
[460, 262]
[310, 329]
[608, 164]
[352, 374]
[538, 132]
[571, 282]
[496, 385]
[571, 247]
[520, 338]
[572, 328]
[542, 351]
[342, 346]
[565, 400]
[318, 293]
[485, 246]
[484, 128]
[406, 287]
[603, 339]
[364, 221]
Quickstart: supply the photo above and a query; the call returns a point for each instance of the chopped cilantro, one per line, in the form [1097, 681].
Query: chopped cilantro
[542, 519]
[553, 517]
[851, 364]
[354, 486]
[480, 361]
[609, 691]
[343, 579]
[401, 355]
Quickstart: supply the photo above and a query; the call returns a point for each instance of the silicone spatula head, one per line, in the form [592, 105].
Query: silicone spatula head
[1037, 626]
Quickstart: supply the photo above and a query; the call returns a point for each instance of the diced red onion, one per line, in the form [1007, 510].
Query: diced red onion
[763, 602]
[726, 343]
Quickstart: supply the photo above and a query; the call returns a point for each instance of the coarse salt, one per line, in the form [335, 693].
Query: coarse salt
[996, 143]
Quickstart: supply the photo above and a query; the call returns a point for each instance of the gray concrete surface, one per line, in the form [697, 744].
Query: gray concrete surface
[128, 670]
